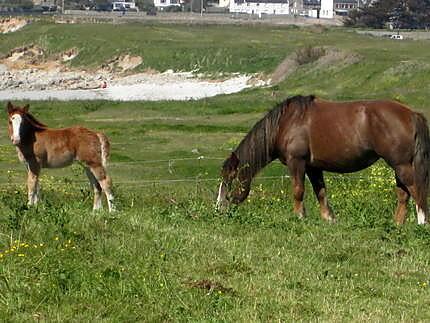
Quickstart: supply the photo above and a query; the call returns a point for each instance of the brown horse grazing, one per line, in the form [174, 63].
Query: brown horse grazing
[311, 135]
[41, 147]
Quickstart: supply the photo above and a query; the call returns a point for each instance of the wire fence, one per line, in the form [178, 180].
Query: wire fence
[170, 168]
[199, 158]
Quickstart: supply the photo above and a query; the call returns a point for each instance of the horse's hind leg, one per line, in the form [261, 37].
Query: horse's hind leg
[106, 185]
[105, 182]
[405, 174]
[402, 202]
[317, 180]
[96, 188]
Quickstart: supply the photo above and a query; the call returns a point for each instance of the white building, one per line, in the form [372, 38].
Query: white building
[311, 8]
[126, 5]
[161, 4]
[258, 7]
[296, 7]
[327, 9]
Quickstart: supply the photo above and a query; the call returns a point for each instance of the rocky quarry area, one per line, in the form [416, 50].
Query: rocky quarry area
[26, 68]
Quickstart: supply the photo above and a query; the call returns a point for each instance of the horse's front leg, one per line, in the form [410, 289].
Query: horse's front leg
[297, 172]
[317, 180]
[33, 187]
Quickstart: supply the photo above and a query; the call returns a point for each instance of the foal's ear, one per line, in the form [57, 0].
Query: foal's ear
[26, 108]
[9, 107]
[234, 160]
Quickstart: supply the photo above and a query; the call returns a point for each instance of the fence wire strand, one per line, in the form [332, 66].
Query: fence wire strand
[170, 165]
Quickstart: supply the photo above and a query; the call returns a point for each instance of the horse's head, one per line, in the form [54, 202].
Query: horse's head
[16, 117]
[234, 187]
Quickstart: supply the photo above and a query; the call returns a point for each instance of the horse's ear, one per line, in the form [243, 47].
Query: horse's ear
[9, 107]
[26, 108]
[234, 160]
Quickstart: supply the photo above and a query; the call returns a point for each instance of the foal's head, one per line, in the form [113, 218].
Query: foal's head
[17, 118]
[235, 185]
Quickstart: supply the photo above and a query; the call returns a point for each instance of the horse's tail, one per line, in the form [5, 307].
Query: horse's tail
[421, 161]
[104, 148]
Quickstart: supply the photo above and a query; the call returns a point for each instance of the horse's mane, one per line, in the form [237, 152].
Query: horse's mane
[256, 150]
[34, 122]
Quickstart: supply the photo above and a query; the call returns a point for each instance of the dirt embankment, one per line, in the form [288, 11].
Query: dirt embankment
[28, 68]
[320, 57]
[27, 74]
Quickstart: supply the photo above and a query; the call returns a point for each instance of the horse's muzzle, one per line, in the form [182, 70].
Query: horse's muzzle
[15, 141]
[221, 206]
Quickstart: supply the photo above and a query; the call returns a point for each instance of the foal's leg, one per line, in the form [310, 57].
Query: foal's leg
[297, 171]
[96, 188]
[105, 182]
[33, 186]
[317, 181]
[405, 174]
[402, 202]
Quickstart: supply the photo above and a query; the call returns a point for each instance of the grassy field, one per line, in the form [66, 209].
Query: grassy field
[166, 255]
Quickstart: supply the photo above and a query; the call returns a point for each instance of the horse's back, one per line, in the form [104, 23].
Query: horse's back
[348, 136]
[64, 145]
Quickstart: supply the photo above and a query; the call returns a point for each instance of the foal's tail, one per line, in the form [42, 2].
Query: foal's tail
[421, 161]
[104, 147]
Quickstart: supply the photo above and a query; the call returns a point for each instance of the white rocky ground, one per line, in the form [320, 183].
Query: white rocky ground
[36, 85]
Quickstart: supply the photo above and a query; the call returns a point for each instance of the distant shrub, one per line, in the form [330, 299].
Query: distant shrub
[309, 54]
[172, 9]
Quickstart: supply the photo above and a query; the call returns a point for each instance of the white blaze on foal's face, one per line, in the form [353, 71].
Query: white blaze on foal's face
[16, 121]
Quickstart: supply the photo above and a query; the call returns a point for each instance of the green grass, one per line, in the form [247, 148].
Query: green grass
[167, 255]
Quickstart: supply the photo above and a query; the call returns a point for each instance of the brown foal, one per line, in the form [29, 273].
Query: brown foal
[41, 147]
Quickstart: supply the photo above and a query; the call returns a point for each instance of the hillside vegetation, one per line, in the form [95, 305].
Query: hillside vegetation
[166, 255]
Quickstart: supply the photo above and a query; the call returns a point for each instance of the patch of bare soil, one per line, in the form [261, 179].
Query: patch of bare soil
[321, 57]
[287, 67]
[30, 57]
[33, 57]
[68, 55]
[123, 63]
[10, 25]
[209, 286]
[29, 68]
